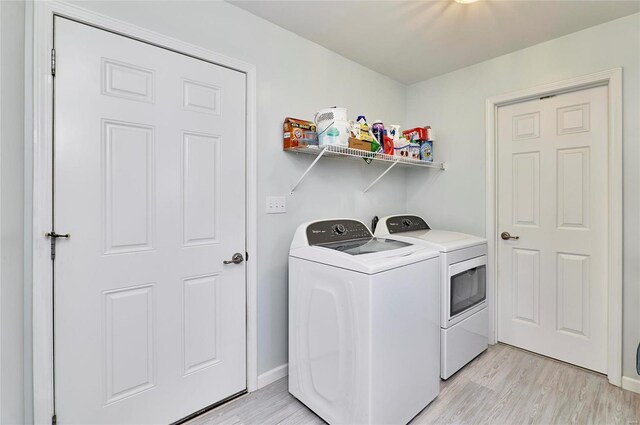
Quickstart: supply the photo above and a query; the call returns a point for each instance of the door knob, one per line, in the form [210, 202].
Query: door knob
[506, 236]
[236, 259]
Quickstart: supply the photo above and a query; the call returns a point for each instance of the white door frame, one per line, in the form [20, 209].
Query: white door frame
[44, 13]
[613, 79]
[1, 124]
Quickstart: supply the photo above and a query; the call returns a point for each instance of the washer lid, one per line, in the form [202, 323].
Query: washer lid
[365, 246]
[365, 262]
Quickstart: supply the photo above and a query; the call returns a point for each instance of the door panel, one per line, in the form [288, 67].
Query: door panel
[526, 285]
[573, 188]
[200, 188]
[552, 191]
[130, 342]
[526, 189]
[150, 182]
[573, 293]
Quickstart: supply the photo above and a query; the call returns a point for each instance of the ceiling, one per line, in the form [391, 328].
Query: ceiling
[411, 41]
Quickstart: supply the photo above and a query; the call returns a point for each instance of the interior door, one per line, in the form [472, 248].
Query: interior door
[149, 181]
[552, 195]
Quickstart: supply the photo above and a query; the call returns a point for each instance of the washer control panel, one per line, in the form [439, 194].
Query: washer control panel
[327, 231]
[406, 223]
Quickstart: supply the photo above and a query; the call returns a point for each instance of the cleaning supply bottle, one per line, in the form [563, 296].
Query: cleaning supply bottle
[365, 131]
[389, 147]
[378, 131]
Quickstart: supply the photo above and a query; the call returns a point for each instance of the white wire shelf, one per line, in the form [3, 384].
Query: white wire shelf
[360, 155]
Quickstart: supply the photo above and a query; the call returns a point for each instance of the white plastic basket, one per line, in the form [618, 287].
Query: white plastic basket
[332, 117]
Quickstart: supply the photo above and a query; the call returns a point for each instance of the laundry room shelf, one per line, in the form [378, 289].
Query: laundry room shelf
[360, 155]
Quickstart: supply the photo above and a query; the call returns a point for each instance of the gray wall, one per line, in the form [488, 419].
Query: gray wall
[11, 210]
[454, 104]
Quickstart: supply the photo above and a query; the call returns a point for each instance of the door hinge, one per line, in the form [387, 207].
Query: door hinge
[53, 62]
[54, 420]
[53, 236]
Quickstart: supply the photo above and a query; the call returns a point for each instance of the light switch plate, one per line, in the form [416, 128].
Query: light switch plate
[276, 205]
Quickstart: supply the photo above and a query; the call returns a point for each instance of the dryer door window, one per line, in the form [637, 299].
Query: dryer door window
[468, 286]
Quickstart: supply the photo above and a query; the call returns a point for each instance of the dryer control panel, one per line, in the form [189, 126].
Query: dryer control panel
[406, 223]
[322, 232]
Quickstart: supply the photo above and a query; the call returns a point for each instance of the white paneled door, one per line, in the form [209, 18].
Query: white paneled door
[149, 181]
[552, 195]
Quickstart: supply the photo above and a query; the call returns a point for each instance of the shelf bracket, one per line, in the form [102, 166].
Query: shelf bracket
[381, 176]
[308, 169]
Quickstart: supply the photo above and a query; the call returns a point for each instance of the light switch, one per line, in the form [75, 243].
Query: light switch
[276, 205]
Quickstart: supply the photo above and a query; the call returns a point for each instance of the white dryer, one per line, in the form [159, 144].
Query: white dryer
[464, 317]
[364, 342]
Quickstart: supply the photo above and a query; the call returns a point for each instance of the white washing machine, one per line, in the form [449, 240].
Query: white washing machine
[364, 343]
[464, 316]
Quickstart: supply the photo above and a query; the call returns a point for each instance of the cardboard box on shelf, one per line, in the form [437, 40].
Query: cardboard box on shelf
[426, 150]
[362, 145]
[414, 150]
[418, 133]
[294, 130]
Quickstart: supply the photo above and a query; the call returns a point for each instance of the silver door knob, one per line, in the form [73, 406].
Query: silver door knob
[506, 236]
[236, 259]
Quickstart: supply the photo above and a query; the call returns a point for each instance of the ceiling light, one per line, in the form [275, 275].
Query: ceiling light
[465, 1]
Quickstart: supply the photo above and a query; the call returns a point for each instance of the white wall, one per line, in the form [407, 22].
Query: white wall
[454, 105]
[11, 211]
[28, 214]
[295, 77]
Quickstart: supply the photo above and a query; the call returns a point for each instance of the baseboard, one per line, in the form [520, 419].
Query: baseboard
[273, 375]
[631, 384]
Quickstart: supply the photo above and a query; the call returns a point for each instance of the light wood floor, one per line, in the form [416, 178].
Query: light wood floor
[504, 385]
